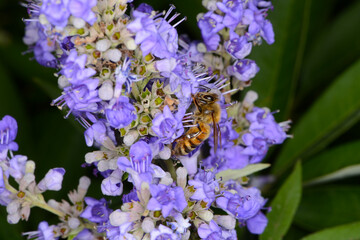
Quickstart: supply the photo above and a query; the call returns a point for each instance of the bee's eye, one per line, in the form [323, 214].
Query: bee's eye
[210, 98]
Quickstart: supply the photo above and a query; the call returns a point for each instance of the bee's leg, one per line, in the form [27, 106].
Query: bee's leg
[218, 126]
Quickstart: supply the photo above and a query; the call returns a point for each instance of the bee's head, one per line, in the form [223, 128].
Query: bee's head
[206, 97]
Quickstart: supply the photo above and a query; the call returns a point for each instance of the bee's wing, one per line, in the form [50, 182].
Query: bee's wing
[216, 132]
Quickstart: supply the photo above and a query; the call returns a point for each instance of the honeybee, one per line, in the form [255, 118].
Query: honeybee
[207, 112]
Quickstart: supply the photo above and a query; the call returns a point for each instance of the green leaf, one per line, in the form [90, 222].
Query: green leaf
[280, 63]
[238, 173]
[344, 232]
[284, 206]
[332, 114]
[49, 88]
[329, 53]
[328, 206]
[337, 163]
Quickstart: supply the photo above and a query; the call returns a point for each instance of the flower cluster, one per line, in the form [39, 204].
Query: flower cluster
[149, 100]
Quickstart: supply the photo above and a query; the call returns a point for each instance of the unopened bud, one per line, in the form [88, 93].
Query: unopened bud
[30, 166]
[130, 44]
[63, 82]
[103, 45]
[78, 22]
[73, 223]
[113, 55]
[206, 215]
[147, 225]
[106, 91]
[131, 137]
[225, 221]
[118, 217]
[84, 182]
[165, 153]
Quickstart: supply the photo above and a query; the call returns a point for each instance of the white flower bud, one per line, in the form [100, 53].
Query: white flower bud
[54, 204]
[30, 166]
[225, 221]
[43, 20]
[147, 225]
[73, 223]
[206, 215]
[103, 45]
[130, 44]
[63, 82]
[26, 180]
[201, 48]
[78, 22]
[131, 137]
[13, 207]
[181, 174]
[118, 217]
[93, 156]
[165, 153]
[13, 218]
[113, 55]
[167, 179]
[84, 182]
[250, 98]
[106, 91]
[25, 212]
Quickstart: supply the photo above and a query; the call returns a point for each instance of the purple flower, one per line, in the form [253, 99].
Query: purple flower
[139, 167]
[52, 180]
[166, 199]
[81, 96]
[96, 211]
[163, 233]
[206, 186]
[238, 47]
[82, 9]
[96, 132]
[257, 147]
[120, 112]
[56, 12]
[123, 76]
[210, 231]
[8, 132]
[264, 124]
[131, 196]
[2, 183]
[255, 18]
[210, 24]
[17, 166]
[112, 185]
[167, 39]
[32, 32]
[244, 204]
[243, 70]
[119, 233]
[257, 224]
[231, 157]
[167, 126]
[84, 235]
[44, 232]
[233, 10]
[42, 53]
[74, 68]
[155, 36]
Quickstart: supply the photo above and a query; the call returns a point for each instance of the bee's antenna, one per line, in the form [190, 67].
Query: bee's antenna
[204, 87]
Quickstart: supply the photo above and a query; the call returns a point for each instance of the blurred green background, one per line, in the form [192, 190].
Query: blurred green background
[311, 74]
